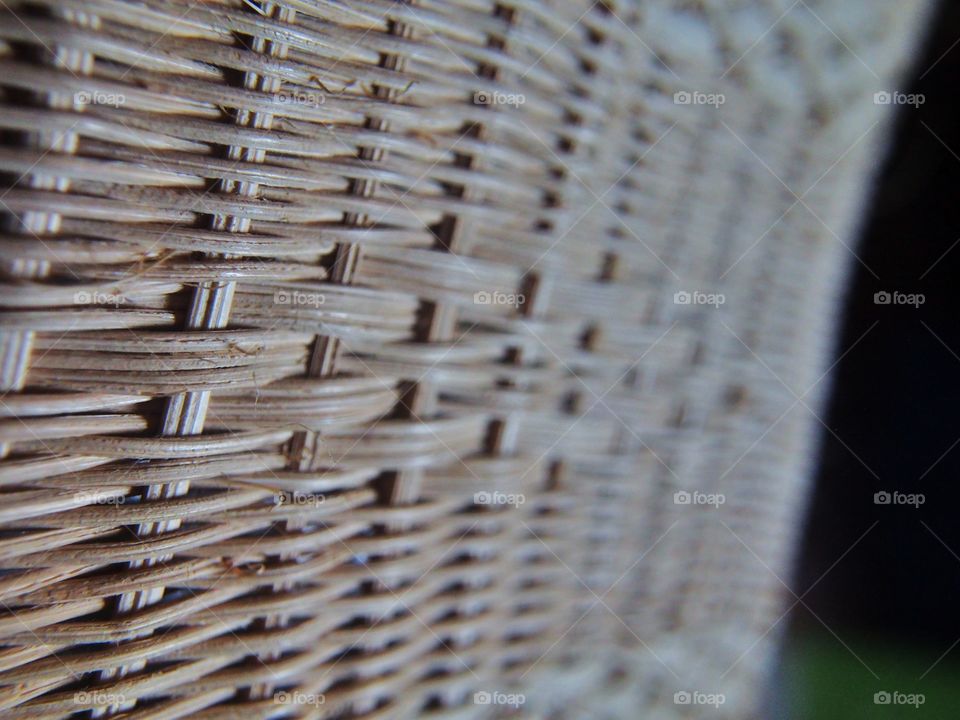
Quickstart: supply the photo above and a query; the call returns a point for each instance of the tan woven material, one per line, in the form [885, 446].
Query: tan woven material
[452, 358]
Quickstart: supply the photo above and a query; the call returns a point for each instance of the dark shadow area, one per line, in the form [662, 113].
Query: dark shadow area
[885, 570]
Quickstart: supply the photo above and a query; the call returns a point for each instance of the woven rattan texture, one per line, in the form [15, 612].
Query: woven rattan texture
[354, 352]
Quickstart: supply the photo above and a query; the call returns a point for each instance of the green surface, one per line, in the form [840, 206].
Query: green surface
[823, 680]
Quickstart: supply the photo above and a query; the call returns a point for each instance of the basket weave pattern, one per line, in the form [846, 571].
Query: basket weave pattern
[359, 357]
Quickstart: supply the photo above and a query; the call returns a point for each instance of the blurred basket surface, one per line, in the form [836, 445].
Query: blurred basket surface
[439, 358]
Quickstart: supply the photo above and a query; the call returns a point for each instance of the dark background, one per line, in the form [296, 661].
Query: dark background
[885, 614]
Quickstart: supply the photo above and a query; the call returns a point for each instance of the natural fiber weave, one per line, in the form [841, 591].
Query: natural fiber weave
[354, 352]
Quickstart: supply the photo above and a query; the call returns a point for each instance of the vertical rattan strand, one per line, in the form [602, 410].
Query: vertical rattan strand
[505, 435]
[305, 446]
[598, 554]
[16, 346]
[209, 309]
[440, 322]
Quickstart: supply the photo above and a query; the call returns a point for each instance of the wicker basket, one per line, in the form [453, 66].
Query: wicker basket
[410, 359]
